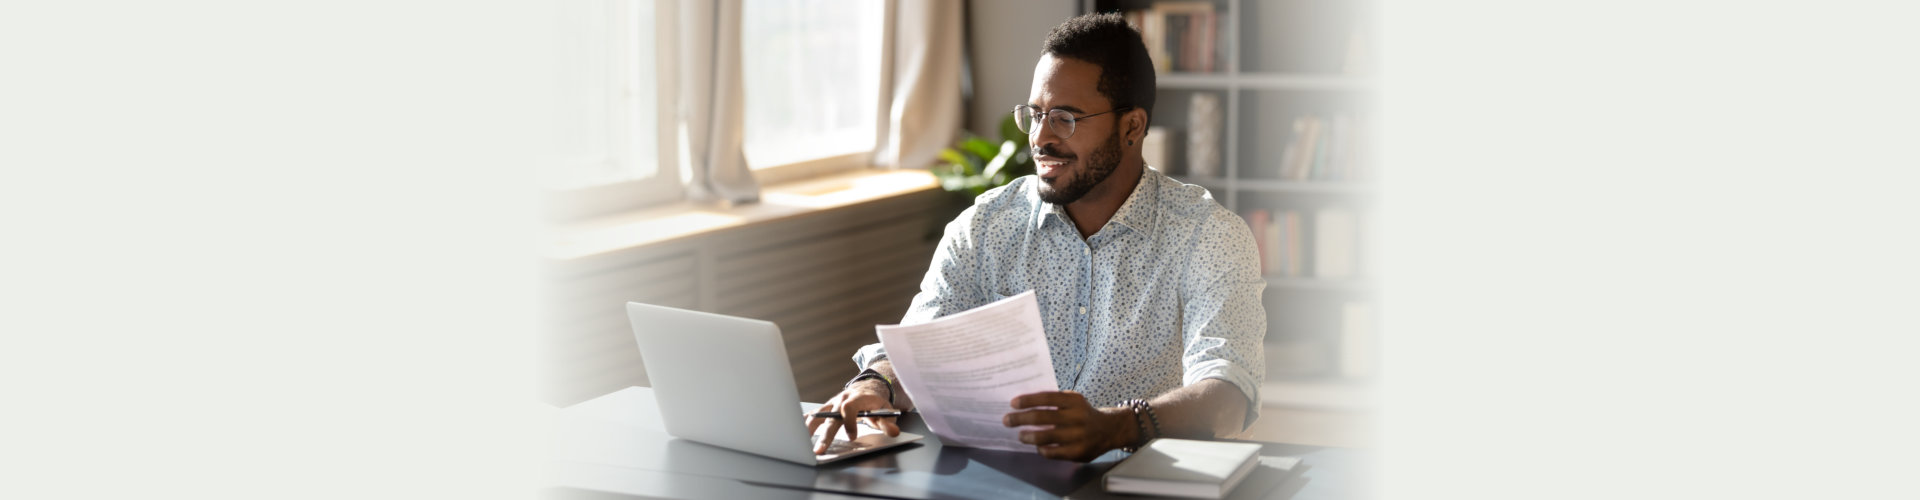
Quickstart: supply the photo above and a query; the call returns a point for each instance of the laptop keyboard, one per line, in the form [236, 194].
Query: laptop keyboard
[840, 446]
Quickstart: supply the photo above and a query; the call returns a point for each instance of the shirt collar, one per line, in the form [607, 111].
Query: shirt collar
[1134, 213]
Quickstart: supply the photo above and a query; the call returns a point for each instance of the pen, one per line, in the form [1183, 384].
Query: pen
[868, 413]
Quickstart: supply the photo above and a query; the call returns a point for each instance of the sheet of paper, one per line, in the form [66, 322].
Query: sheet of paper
[963, 370]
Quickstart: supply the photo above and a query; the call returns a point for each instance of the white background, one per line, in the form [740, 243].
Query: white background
[1651, 249]
[1636, 249]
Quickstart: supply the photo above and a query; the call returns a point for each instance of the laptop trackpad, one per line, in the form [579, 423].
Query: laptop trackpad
[870, 439]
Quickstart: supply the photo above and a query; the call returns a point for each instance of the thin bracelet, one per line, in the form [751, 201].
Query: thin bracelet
[872, 373]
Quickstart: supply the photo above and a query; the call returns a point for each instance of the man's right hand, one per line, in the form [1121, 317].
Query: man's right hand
[865, 395]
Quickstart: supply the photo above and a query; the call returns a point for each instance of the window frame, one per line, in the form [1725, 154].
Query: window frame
[883, 102]
[665, 185]
[668, 184]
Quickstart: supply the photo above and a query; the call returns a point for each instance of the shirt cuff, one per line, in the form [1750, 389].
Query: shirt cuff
[868, 354]
[1233, 374]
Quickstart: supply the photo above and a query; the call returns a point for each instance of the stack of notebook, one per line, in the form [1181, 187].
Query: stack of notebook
[1192, 469]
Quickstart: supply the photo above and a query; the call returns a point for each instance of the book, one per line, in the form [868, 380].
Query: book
[1281, 257]
[1324, 149]
[1209, 44]
[1184, 468]
[1206, 119]
[1322, 165]
[1275, 477]
[1190, 36]
[1293, 162]
[1153, 32]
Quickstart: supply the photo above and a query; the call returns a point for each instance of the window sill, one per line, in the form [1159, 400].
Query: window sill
[656, 225]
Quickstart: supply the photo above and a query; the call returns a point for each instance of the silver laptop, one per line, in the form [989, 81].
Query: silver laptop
[725, 381]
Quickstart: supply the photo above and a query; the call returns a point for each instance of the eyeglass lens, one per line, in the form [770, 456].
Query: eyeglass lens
[1027, 117]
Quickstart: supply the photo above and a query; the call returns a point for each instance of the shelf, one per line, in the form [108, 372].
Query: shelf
[1297, 81]
[1264, 81]
[1302, 283]
[1297, 52]
[1193, 80]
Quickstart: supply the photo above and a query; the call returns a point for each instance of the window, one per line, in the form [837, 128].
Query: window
[812, 72]
[612, 127]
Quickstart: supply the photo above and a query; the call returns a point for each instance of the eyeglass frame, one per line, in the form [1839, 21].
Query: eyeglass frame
[1072, 121]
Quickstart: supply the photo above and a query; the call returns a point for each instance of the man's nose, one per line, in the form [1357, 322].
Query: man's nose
[1044, 135]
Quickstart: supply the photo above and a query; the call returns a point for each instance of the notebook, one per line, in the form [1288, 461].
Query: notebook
[1184, 468]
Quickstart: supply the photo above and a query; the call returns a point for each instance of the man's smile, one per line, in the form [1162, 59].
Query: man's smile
[1050, 168]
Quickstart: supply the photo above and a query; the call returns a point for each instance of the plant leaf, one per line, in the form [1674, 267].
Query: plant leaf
[963, 163]
[1007, 150]
[979, 147]
[953, 157]
[1011, 132]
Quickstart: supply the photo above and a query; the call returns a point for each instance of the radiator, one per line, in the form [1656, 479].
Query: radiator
[825, 278]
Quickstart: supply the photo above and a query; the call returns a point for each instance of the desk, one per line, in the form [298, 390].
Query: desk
[615, 446]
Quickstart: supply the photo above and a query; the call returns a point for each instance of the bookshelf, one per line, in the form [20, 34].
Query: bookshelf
[1290, 80]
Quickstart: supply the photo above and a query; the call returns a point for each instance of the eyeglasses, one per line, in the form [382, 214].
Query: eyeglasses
[1061, 120]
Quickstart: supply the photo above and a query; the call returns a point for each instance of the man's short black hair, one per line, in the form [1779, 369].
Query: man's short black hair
[1126, 72]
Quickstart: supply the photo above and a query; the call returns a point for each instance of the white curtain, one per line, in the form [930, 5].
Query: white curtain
[712, 117]
[924, 113]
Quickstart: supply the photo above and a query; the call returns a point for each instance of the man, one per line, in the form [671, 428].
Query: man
[1149, 290]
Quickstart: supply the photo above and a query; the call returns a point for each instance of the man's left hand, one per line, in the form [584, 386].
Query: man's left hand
[1079, 431]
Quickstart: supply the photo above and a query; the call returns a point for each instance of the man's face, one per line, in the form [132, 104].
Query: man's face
[1068, 168]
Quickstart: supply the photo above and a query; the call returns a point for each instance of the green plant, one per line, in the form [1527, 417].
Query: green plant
[975, 165]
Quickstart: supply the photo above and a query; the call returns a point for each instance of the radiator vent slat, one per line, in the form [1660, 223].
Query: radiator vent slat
[783, 303]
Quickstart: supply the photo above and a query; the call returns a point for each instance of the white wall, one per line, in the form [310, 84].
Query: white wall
[1004, 38]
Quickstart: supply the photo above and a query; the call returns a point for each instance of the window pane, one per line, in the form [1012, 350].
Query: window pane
[812, 78]
[608, 114]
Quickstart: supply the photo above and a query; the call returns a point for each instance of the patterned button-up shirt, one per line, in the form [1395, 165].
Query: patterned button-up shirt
[1165, 295]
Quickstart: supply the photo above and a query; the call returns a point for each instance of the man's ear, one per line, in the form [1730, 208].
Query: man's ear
[1133, 125]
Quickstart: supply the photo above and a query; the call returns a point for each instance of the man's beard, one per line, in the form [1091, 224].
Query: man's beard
[1099, 166]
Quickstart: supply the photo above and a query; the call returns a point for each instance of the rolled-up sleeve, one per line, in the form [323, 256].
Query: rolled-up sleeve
[1223, 324]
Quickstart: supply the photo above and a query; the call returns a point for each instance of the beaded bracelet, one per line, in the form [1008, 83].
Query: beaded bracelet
[1139, 407]
[1152, 416]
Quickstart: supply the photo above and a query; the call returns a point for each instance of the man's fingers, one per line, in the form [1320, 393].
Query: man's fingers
[853, 424]
[1056, 399]
[1057, 435]
[827, 439]
[814, 422]
[883, 425]
[1043, 417]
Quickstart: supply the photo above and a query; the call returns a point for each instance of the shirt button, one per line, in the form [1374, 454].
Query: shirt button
[1083, 310]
